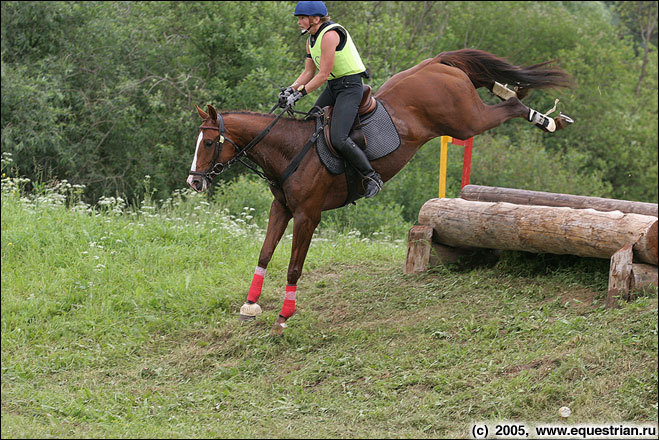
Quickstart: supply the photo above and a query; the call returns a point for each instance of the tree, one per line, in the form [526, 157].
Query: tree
[640, 18]
[103, 93]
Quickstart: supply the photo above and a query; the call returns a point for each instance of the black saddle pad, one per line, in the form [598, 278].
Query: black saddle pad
[381, 139]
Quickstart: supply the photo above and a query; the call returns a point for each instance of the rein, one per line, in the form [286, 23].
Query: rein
[219, 167]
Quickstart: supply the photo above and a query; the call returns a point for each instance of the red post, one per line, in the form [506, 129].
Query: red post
[466, 163]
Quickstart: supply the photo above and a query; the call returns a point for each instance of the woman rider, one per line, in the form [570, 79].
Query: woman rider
[331, 51]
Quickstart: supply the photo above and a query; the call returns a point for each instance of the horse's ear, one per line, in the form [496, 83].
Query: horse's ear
[212, 112]
[202, 113]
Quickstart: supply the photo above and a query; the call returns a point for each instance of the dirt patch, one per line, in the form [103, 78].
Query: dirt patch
[581, 300]
[544, 366]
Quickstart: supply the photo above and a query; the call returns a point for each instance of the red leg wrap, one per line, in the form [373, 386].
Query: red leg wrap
[257, 285]
[288, 308]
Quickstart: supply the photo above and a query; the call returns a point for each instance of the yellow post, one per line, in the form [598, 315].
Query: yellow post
[443, 158]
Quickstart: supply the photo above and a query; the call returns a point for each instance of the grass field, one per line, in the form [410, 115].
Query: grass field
[125, 325]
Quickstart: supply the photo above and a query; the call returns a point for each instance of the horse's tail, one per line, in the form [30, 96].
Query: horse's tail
[484, 69]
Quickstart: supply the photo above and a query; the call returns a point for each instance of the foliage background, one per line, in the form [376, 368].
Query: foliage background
[103, 94]
[120, 288]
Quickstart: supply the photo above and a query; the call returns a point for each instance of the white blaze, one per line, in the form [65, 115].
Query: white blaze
[194, 161]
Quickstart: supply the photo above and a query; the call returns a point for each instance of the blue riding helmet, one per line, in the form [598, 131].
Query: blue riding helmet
[310, 9]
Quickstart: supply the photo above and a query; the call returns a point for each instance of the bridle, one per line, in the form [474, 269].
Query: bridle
[219, 167]
[216, 167]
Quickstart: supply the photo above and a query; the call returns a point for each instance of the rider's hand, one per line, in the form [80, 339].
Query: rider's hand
[285, 93]
[283, 96]
[295, 96]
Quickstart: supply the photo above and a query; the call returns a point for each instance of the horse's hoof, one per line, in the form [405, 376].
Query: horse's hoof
[278, 329]
[562, 121]
[249, 312]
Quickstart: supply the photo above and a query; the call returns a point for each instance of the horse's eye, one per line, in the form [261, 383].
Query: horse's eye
[209, 143]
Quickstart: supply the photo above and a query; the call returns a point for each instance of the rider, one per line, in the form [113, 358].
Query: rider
[331, 51]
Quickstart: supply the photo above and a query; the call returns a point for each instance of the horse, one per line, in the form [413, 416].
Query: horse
[437, 97]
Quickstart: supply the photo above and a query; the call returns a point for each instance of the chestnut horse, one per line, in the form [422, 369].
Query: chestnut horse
[434, 98]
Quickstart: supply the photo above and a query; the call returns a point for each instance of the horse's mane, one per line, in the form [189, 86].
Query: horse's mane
[294, 132]
[285, 119]
[249, 112]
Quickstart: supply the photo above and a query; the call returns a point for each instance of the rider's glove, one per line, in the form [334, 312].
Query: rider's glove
[284, 94]
[296, 96]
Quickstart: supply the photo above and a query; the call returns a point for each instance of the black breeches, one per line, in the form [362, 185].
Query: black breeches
[345, 94]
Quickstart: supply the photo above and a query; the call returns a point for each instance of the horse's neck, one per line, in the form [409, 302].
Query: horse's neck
[275, 151]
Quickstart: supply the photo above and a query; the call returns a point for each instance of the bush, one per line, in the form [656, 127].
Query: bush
[249, 195]
[245, 193]
[370, 217]
[526, 164]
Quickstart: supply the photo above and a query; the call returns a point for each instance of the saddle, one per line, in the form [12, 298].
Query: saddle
[366, 106]
[372, 122]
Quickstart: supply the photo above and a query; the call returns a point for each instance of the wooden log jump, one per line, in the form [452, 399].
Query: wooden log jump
[524, 197]
[541, 229]
[448, 228]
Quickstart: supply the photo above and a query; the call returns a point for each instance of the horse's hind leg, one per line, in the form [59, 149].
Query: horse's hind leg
[479, 117]
[278, 220]
[540, 120]
[485, 117]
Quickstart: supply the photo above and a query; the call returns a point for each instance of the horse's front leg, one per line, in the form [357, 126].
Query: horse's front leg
[304, 225]
[278, 220]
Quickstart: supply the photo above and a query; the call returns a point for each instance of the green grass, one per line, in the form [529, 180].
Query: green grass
[126, 326]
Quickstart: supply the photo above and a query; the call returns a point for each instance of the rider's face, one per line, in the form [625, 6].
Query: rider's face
[305, 21]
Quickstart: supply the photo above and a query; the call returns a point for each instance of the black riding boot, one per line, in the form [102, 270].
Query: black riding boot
[357, 158]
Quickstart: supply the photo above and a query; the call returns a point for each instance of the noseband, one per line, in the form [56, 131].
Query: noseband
[218, 167]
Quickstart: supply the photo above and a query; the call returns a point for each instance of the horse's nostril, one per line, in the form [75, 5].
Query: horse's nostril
[195, 183]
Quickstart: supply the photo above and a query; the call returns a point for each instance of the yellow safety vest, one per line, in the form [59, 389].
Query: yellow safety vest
[346, 61]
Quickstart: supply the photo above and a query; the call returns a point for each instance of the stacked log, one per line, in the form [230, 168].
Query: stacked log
[525, 197]
[541, 229]
[448, 228]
